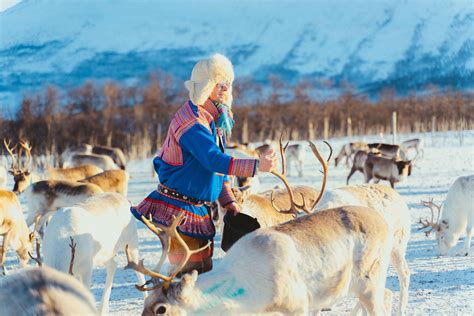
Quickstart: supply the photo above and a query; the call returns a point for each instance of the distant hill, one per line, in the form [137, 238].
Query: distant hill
[372, 44]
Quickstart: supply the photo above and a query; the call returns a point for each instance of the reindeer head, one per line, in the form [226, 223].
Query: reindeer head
[444, 240]
[167, 300]
[168, 296]
[21, 174]
[404, 167]
[241, 193]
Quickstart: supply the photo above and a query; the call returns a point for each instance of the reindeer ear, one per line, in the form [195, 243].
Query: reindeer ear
[186, 286]
[190, 277]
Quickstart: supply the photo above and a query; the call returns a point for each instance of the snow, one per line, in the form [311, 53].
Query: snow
[303, 35]
[439, 285]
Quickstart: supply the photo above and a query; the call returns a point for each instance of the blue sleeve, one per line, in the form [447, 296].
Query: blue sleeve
[201, 144]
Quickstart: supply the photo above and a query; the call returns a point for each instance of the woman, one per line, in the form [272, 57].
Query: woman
[193, 167]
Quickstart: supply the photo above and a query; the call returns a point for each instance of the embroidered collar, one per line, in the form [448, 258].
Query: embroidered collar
[211, 109]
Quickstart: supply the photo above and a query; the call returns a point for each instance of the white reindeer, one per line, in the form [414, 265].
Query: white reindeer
[13, 229]
[416, 144]
[44, 291]
[300, 266]
[102, 161]
[388, 203]
[113, 152]
[67, 154]
[110, 181]
[49, 195]
[457, 217]
[101, 227]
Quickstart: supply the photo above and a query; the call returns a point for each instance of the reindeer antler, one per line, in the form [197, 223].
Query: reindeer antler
[324, 163]
[32, 236]
[72, 245]
[164, 233]
[433, 224]
[24, 145]
[294, 207]
[7, 143]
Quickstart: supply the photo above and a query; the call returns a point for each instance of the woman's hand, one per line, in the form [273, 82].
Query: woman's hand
[233, 208]
[268, 161]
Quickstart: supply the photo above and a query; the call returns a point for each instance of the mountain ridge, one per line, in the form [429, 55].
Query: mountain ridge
[373, 45]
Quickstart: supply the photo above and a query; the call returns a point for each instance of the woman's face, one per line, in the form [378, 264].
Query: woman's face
[220, 91]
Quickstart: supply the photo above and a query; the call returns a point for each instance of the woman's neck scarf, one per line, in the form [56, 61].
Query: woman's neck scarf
[226, 121]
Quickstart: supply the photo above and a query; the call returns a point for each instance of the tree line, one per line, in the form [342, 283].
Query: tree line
[136, 118]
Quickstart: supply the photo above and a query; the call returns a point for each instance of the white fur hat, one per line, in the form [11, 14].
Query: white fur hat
[206, 74]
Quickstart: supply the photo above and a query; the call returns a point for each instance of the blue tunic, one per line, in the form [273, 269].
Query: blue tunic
[193, 162]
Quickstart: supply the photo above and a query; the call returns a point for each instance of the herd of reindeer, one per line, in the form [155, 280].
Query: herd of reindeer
[314, 246]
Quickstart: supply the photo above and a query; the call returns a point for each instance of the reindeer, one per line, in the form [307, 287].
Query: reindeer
[72, 174]
[44, 291]
[23, 177]
[388, 203]
[348, 150]
[13, 229]
[416, 144]
[388, 150]
[457, 216]
[358, 162]
[85, 222]
[50, 195]
[102, 161]
[71, 151]
[296, 267]
[113, 152]
[381, 168]
[110, 181]
[262, 206]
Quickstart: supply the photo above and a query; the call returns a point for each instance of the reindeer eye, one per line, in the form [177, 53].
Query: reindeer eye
[161, 310]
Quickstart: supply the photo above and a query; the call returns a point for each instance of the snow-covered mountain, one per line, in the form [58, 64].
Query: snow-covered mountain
[404, 44]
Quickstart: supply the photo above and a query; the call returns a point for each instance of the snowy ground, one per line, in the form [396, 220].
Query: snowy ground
[439, 286]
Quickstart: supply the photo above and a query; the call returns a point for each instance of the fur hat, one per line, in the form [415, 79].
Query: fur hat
[206, 74]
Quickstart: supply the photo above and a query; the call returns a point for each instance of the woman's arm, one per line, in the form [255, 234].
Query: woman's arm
[201, 144]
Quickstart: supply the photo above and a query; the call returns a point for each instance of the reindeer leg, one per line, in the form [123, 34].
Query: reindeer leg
[466, 250]
[403, 272]
[133, 248]
[3, 254]
[353, 170]
[110, 265]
